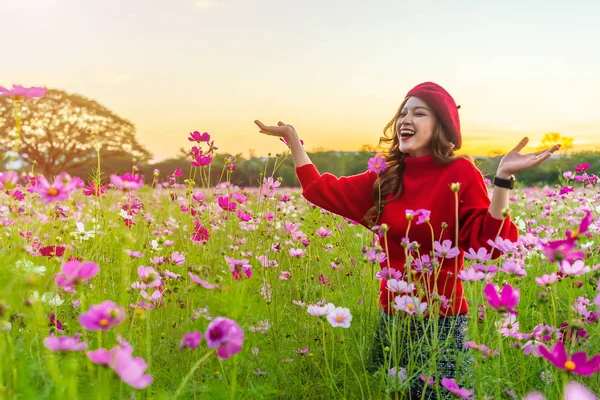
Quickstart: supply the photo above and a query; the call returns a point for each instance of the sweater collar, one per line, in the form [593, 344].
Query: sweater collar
[419, 162]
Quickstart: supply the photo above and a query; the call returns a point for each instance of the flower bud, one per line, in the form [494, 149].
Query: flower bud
[505, 212]
[455, 187]
[384, 228]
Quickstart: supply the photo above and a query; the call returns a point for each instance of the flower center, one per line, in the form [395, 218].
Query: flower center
[103, 322]
[569, 365]
[377, 165]
[575, 233]
[52, 192]
[339, 318]
[410, 306]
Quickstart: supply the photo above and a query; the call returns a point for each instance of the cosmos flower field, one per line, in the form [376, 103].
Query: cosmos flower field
[118, 289]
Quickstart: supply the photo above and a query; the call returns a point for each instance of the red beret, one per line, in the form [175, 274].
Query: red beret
[444, 106]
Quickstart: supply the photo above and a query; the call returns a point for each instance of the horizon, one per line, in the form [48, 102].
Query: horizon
[217, 65]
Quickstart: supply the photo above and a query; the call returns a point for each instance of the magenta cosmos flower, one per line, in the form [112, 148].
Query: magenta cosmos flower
[576, 364]
[583, 226]
[506, 301]
[197, 137]
[75, 272]
[225, 334]
[226, 204]
[377, 164]
[64, 343]
[190, 340]
[452, 387]
[200, 159]
[102, 317]
[130, 369]
[20, 91]
[127, 181]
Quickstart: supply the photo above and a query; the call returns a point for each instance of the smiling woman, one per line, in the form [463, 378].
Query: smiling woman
[420, 171]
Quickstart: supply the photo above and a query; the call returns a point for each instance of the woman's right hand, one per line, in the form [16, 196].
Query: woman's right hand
[281, 130]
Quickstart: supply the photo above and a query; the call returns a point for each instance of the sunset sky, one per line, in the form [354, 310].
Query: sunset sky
[336, 70]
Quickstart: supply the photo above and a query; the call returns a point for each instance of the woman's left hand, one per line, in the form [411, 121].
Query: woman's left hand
[515, 162]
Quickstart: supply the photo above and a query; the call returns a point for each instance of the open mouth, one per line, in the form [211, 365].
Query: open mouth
[406, 133]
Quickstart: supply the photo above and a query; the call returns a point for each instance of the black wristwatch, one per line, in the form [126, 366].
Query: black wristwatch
[505, 183]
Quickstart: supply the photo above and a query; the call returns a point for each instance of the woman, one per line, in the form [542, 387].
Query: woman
[452, 204]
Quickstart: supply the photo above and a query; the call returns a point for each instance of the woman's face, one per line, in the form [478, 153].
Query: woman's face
[415, 127]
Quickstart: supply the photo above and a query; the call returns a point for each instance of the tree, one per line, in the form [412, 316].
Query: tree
[60, 132]
[554, 138]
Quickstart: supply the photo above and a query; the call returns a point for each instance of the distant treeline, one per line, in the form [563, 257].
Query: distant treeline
[249, 172]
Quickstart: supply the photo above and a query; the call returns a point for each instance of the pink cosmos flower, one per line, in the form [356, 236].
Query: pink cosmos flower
[409, 304]
[422, 214]
[576, 364]
[401, 286]
[299, 253]
[339, 316]
[452, 387]
[324, 232]
[578, 268]
[130, 369]
[102, 317]
[388, 273]
[269, 187]
[149, 276]
[64, 343]
[480, 256]
[74, 272]
[377, 164]
[319, 311]
[225, 334]
[59, 190]
[177, 258]
[445, 249]
[471, 274]
[398, 373]
[190, 340]
[573, 391]
[20, 91]
[197, 137]
[546, 279]
[200, 282]
[285, 276]
[239, 267]
[127, 181]
[531, 347]
[506, 301]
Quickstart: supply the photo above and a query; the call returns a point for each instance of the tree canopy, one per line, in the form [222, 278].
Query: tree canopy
[60, 131]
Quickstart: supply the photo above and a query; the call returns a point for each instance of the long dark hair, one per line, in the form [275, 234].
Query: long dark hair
[390, 179]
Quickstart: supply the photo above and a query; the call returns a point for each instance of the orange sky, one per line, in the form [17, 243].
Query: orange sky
[336, 70]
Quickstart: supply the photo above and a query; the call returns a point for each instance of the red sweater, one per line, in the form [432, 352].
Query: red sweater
[426, 185]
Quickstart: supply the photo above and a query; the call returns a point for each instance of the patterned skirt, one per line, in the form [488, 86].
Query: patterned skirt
[423, 349]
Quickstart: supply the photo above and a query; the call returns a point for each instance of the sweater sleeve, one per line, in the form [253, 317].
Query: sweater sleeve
[477, 225]
[348, 196]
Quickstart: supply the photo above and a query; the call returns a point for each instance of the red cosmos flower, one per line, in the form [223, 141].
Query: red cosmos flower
[91, 189]
[576, 364]
[51, 251]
